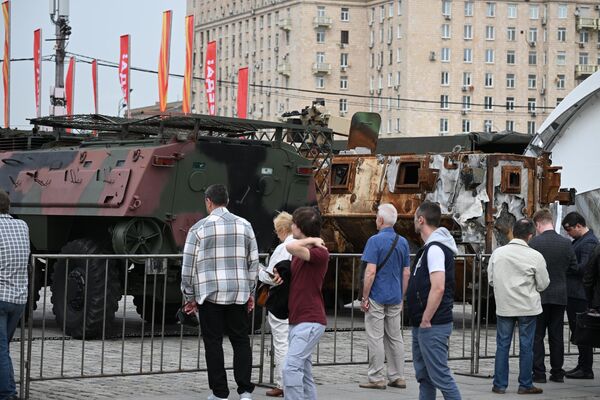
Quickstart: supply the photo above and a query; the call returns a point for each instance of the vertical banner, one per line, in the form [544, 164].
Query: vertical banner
[124, 62]
[187, 74]
[163, 60]
[95, 84]
[69, 86]
[242, 93]
[37, 70]
[6, 63]
[210, 77]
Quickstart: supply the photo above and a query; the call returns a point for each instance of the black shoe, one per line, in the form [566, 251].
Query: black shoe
[557, 378]
[498, 390]
[577, 368]
[539, 378]
[579, 374]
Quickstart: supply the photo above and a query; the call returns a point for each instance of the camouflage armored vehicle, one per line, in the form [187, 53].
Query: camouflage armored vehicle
[136, 188]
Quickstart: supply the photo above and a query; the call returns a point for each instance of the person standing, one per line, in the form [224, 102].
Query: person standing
[583, 243]
[591, 280]
[385, 281]
[279, 326]
[559, 257]
[429, 300]
[518, 274]
[307, 318]
[14, 258]
[220, 262]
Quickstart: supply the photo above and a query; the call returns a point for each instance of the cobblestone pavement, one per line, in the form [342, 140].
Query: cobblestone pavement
[54, 356]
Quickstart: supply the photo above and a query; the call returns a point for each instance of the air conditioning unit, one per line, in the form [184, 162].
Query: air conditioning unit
[276, 49]
[378, 67]
[344, 68]
[246, 54]
[447, 17]
[268, 93]
[581, 44]
[432, 56]
[343, 45]
[544, 21]
[396, 87]
[371, 91]
[379, 91]
[531, 44]
[252, 12]
[253, 52]
[543, 91]
[371, 22]
[533, 113]
[343, 113]
[463, 112]
[371, 45]
[465, 88]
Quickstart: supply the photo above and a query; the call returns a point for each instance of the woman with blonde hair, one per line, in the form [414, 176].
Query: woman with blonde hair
[279, 326]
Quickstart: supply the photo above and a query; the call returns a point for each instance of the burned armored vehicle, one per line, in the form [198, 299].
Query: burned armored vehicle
[136, 187]
[481, 194]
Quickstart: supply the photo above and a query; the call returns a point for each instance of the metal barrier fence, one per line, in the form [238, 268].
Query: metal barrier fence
[128, 344]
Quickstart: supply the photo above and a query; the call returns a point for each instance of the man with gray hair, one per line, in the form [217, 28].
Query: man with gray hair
[387, 271]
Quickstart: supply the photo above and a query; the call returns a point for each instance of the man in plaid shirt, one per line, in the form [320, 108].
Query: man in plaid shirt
[14, 256]
[218, 275]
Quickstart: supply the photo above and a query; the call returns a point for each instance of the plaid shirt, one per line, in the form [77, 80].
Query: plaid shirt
[14, 258]
[220, 260]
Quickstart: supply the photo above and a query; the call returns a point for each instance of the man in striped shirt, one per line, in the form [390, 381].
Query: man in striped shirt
[14, 256]
[220, 263]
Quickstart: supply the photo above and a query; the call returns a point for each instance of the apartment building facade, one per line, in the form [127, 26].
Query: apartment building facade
[428, 67]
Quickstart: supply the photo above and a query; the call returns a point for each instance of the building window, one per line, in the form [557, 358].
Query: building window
[468, 32]
[468, 8]
[558, 101]
[560, 81]
[398, 79]
[345, 37]
[320, 82]
[446, 8]
[531, 81]
[531, 127]
[487, 125]
[489, 80]
[443, 125]
[399, 31]
[397, 124]
[320, 36]
[390, 79]
[511, 34]
[583, 58]
[444, 102]
[467, 55]
[466, 81]
[532, 59]
[343, 82]
[399, 56]
[510, 57]
[466, 103]
[489, 56]
[532, 35]
[345, 14]
[399, 13]
[510, 126]
[490, 10]
[466, 126]
[561, 58]
[344, 105]
[510, 104]
[488, 103]
[510, 81]
[445, 31]
[534, 12]
[562, 34]
[344, 60]
[490, 33]
[445, 54]
[531, 105]
[391, 9]
[584, 36]
[320, 57]
[562, 11]
[445, 81]
[512, 10]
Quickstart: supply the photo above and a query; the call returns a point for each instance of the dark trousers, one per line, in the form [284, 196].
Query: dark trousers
[586, 353]
[552, 319]
[215, 321]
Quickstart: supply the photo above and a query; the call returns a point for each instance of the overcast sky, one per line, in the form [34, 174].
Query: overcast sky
[96, 27]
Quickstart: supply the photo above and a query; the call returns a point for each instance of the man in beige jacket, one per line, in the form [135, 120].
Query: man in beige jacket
[518, 274]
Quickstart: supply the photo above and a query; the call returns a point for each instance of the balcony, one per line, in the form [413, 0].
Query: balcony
[322, 22]
[285, 24]
[583, 71]
[587, 23]
[321, 68]
[284, 68]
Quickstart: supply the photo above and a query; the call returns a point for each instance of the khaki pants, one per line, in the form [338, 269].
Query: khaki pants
[384, 337]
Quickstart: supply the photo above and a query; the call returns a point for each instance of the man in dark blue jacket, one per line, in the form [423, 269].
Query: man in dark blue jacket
[429, 298]
[584, 243]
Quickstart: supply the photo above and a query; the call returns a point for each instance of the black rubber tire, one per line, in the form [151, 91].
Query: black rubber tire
[75, 286]
[146, 313]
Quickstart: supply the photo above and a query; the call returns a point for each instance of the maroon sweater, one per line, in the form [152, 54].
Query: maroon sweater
[306, 299]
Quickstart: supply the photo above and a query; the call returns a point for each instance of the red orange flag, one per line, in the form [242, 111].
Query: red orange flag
[124, 60]
[242, 94]
[210, 77]
[6, 63]
[95, 84]
[187, 74]
[37, 70]
[163, 60]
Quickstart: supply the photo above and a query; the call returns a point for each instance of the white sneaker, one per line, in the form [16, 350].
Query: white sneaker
[213, 397]
[355, 304]
[246, 396]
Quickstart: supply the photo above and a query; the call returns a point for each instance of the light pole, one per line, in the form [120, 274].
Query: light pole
[59, 15]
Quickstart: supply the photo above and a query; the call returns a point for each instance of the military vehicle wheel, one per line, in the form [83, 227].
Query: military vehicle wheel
[146, 312]
[137, 236]
[84, 294]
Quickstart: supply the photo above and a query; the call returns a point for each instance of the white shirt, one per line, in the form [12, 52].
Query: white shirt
[279, 254]
[518, 274]
[436, 260]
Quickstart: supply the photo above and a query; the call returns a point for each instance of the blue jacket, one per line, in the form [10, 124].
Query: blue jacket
[583, 247]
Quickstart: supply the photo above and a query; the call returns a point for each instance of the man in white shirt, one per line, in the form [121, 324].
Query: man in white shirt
[518, 274]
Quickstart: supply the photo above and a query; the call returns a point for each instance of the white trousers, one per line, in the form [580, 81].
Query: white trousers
[279, 330]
